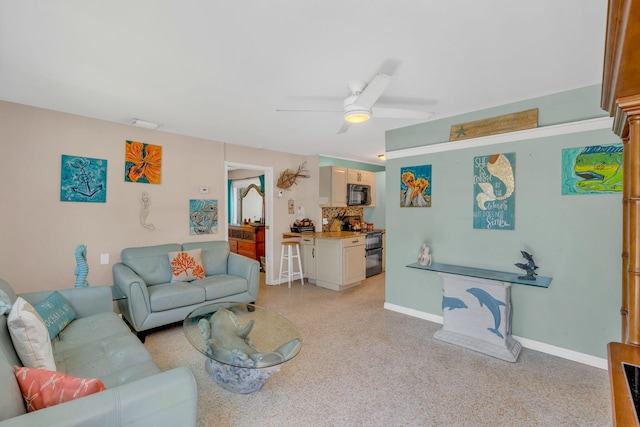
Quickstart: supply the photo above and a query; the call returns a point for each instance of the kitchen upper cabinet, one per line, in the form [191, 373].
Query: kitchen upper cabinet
[333, 186]
[355, 176]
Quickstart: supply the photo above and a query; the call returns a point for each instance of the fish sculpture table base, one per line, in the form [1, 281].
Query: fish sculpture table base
[238, 380]
[477, 315]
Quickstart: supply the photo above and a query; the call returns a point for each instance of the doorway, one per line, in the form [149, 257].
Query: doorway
[268, 210]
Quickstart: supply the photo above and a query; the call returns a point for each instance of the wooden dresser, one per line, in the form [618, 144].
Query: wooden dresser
[247, 240]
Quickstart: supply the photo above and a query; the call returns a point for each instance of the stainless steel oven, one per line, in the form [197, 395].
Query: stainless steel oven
[373, 252]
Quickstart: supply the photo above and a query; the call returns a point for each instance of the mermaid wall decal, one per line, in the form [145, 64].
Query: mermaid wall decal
[145, 201]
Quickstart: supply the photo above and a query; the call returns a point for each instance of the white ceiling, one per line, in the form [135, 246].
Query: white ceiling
[220, 69]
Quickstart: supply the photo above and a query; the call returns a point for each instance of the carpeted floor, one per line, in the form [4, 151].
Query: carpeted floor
[361, 365]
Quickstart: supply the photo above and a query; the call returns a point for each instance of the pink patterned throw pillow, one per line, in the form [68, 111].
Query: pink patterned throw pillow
[42, 388]
[186, 265]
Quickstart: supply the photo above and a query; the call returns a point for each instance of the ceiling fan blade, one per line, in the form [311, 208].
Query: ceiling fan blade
[400, 113]
[281, 110]
[373, 91]
[345, 127]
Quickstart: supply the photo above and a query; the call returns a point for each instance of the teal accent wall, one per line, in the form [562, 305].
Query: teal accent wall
[575, 239]
[578, 104]
[376, 215]
[332, 161]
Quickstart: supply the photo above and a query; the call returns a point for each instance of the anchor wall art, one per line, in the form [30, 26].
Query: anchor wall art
[203, 216]
[494, 187]
[83, 179]
[592, 170]
[142, 163]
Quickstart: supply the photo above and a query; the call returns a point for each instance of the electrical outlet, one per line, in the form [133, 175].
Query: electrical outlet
[104, 259]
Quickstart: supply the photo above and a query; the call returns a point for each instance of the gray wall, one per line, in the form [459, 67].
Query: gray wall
[575, 239]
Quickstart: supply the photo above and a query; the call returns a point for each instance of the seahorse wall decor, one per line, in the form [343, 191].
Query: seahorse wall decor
[82, 269]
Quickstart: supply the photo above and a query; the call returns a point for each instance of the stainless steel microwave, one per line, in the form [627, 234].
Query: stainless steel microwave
[358, 195]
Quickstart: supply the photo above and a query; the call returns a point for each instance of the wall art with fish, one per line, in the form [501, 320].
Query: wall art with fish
[203, 216]
[494, 187]
[592, 170]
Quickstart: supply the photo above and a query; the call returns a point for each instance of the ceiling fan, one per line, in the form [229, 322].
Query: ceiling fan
[359, 106]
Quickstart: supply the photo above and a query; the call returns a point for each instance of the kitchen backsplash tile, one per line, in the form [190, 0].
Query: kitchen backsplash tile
[333, 213]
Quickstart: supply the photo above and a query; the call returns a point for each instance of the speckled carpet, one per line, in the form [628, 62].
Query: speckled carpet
[362, 365]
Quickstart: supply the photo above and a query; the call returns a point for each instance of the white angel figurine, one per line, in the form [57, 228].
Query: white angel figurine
[424, 255]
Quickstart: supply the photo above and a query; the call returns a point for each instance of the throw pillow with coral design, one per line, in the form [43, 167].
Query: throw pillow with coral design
[186, 265]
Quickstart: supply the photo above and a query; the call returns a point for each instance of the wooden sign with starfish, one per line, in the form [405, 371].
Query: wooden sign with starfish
[508, 123]
[288, 177]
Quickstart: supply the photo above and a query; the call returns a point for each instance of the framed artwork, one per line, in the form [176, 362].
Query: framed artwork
[592, 170]
[415, 186]
[142, 163]
[203, 216]
[494, 186]
[83, 179]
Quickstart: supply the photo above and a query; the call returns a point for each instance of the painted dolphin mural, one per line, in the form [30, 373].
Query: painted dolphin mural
[485, 299]
[452, 303]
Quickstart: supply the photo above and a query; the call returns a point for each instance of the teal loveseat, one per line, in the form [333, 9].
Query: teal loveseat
[98, 344]
[144, 275]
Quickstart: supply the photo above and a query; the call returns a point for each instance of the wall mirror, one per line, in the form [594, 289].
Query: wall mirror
[252, 204]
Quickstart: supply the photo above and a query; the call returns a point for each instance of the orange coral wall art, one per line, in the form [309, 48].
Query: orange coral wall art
[143, 163]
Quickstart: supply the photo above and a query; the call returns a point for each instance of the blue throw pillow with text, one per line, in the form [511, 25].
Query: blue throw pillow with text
[56, 312]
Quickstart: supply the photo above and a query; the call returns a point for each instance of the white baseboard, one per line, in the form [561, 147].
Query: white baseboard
[596, 362]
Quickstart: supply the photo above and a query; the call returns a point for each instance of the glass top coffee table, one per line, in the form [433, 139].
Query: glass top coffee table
[244, 343]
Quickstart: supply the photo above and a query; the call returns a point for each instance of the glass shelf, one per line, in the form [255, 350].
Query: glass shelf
[501, 276]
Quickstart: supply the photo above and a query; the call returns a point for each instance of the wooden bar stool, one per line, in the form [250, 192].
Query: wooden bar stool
[291, 251]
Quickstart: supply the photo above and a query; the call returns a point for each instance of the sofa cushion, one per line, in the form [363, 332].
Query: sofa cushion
[214, 255]
[173, 295]
[115, 360]
[222, 285]
[42, 389]
[150, 262]
[88, 329]
[56, 312]
[186, 265]
[30, 336]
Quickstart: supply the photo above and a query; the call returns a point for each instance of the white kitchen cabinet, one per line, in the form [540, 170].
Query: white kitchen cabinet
[355, 176]
[340, 263]
[308, 246]
[333, 186]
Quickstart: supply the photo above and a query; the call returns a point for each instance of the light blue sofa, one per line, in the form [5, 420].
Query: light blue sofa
[98, 344]
[144, 276]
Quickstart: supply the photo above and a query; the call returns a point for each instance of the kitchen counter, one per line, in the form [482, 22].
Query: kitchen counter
[329, 234]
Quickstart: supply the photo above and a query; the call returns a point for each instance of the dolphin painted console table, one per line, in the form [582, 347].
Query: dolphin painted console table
[476, 308]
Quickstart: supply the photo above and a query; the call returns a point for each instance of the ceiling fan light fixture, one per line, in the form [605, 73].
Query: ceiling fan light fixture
[357, 116]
